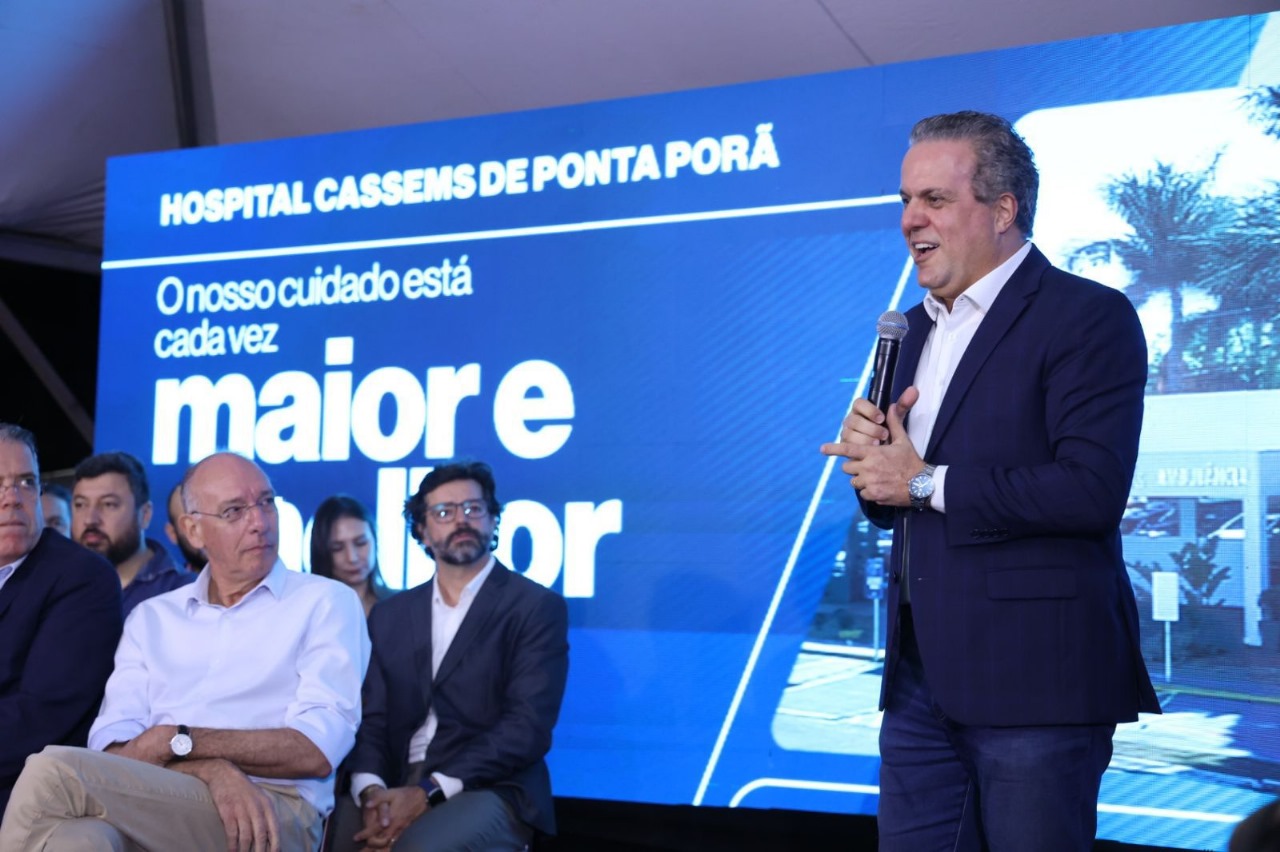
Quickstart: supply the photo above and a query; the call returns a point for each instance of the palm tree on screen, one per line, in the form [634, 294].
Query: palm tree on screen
[1173, 244]
[1257, 234]
[1249, 289]
[1263, 106]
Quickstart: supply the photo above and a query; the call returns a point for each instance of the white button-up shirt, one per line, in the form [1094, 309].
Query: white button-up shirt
[292, 653]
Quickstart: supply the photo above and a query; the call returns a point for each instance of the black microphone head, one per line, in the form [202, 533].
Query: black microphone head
[892, 325]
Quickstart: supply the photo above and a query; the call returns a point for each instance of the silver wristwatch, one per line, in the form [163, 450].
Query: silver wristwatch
[181, 743]
[920, 488]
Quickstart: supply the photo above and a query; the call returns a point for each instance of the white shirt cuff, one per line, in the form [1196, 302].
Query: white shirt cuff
[938, 504]
[449, 785]
[118, 732]
[360, 781]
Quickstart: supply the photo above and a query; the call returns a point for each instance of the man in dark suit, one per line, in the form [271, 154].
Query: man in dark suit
[59, 620]
[463, 690]
[1013, 638]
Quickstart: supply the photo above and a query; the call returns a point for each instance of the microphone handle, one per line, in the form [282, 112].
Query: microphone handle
[881, 393]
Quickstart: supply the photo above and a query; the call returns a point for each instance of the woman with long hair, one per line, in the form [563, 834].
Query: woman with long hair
[344, 547]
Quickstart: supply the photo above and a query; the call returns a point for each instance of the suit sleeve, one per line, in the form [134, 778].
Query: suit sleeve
[881, 516]
[372, 748]
[1092, 380]
[531, 700]
[67, 663]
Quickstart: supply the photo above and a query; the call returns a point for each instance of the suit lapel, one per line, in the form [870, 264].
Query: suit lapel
[478, 617]
[918, 328]
[919, 325]
[420, 633]
[1006, 309]
[22, 576]
[10, 591]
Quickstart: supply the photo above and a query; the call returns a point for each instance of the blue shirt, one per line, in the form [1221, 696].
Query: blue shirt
[158, 576]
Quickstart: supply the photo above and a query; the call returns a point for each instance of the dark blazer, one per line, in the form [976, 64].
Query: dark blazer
[60, 620]
[497, 695]
[1021, 602]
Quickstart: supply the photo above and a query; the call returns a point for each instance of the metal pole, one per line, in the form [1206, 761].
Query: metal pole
[12, 328]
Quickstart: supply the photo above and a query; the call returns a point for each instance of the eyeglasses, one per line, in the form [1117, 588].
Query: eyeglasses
[445, 512]
[26, 486]
[237, 511]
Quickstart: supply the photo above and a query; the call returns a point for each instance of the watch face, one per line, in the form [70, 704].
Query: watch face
[180, 744]
[920, 489]
[921, 485]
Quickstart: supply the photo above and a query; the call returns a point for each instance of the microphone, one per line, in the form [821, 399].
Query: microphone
[890, 328]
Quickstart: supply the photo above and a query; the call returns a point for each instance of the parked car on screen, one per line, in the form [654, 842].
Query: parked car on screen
[1153, 529]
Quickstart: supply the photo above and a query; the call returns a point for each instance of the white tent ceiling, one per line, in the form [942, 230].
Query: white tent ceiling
[83, 80]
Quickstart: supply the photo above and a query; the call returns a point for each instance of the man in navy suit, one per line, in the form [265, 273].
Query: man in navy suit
[463, 690]
[1013, 637]
[59, 620]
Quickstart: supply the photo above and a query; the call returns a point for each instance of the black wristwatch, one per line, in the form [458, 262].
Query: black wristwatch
[435, 796]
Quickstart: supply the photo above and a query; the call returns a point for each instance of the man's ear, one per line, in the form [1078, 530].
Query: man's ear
[1006, 208]
[192, 529]
[144, 515]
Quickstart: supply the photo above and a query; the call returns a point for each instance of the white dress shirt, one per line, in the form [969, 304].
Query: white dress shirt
[445, 621]
[292, 653]
[944, 347]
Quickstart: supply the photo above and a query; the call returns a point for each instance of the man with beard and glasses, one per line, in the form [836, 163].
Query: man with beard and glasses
[110, 507]
[194, 556]
[59, 620]
[450, 754]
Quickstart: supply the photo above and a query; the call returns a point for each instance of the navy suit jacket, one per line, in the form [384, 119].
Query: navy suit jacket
[60, 620]
[1019, 595]
[497, 694]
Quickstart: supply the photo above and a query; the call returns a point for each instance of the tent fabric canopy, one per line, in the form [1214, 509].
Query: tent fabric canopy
[85, 80]
[90, 79]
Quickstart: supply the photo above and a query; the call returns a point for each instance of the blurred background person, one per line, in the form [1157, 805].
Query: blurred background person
[1259, 832]
[344, 547]
[192, 555]
[55, 499]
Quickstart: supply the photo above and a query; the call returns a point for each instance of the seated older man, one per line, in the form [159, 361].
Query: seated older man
[59, 620]
[231, 703]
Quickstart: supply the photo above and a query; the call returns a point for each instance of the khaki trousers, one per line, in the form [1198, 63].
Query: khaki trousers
[77, 800]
